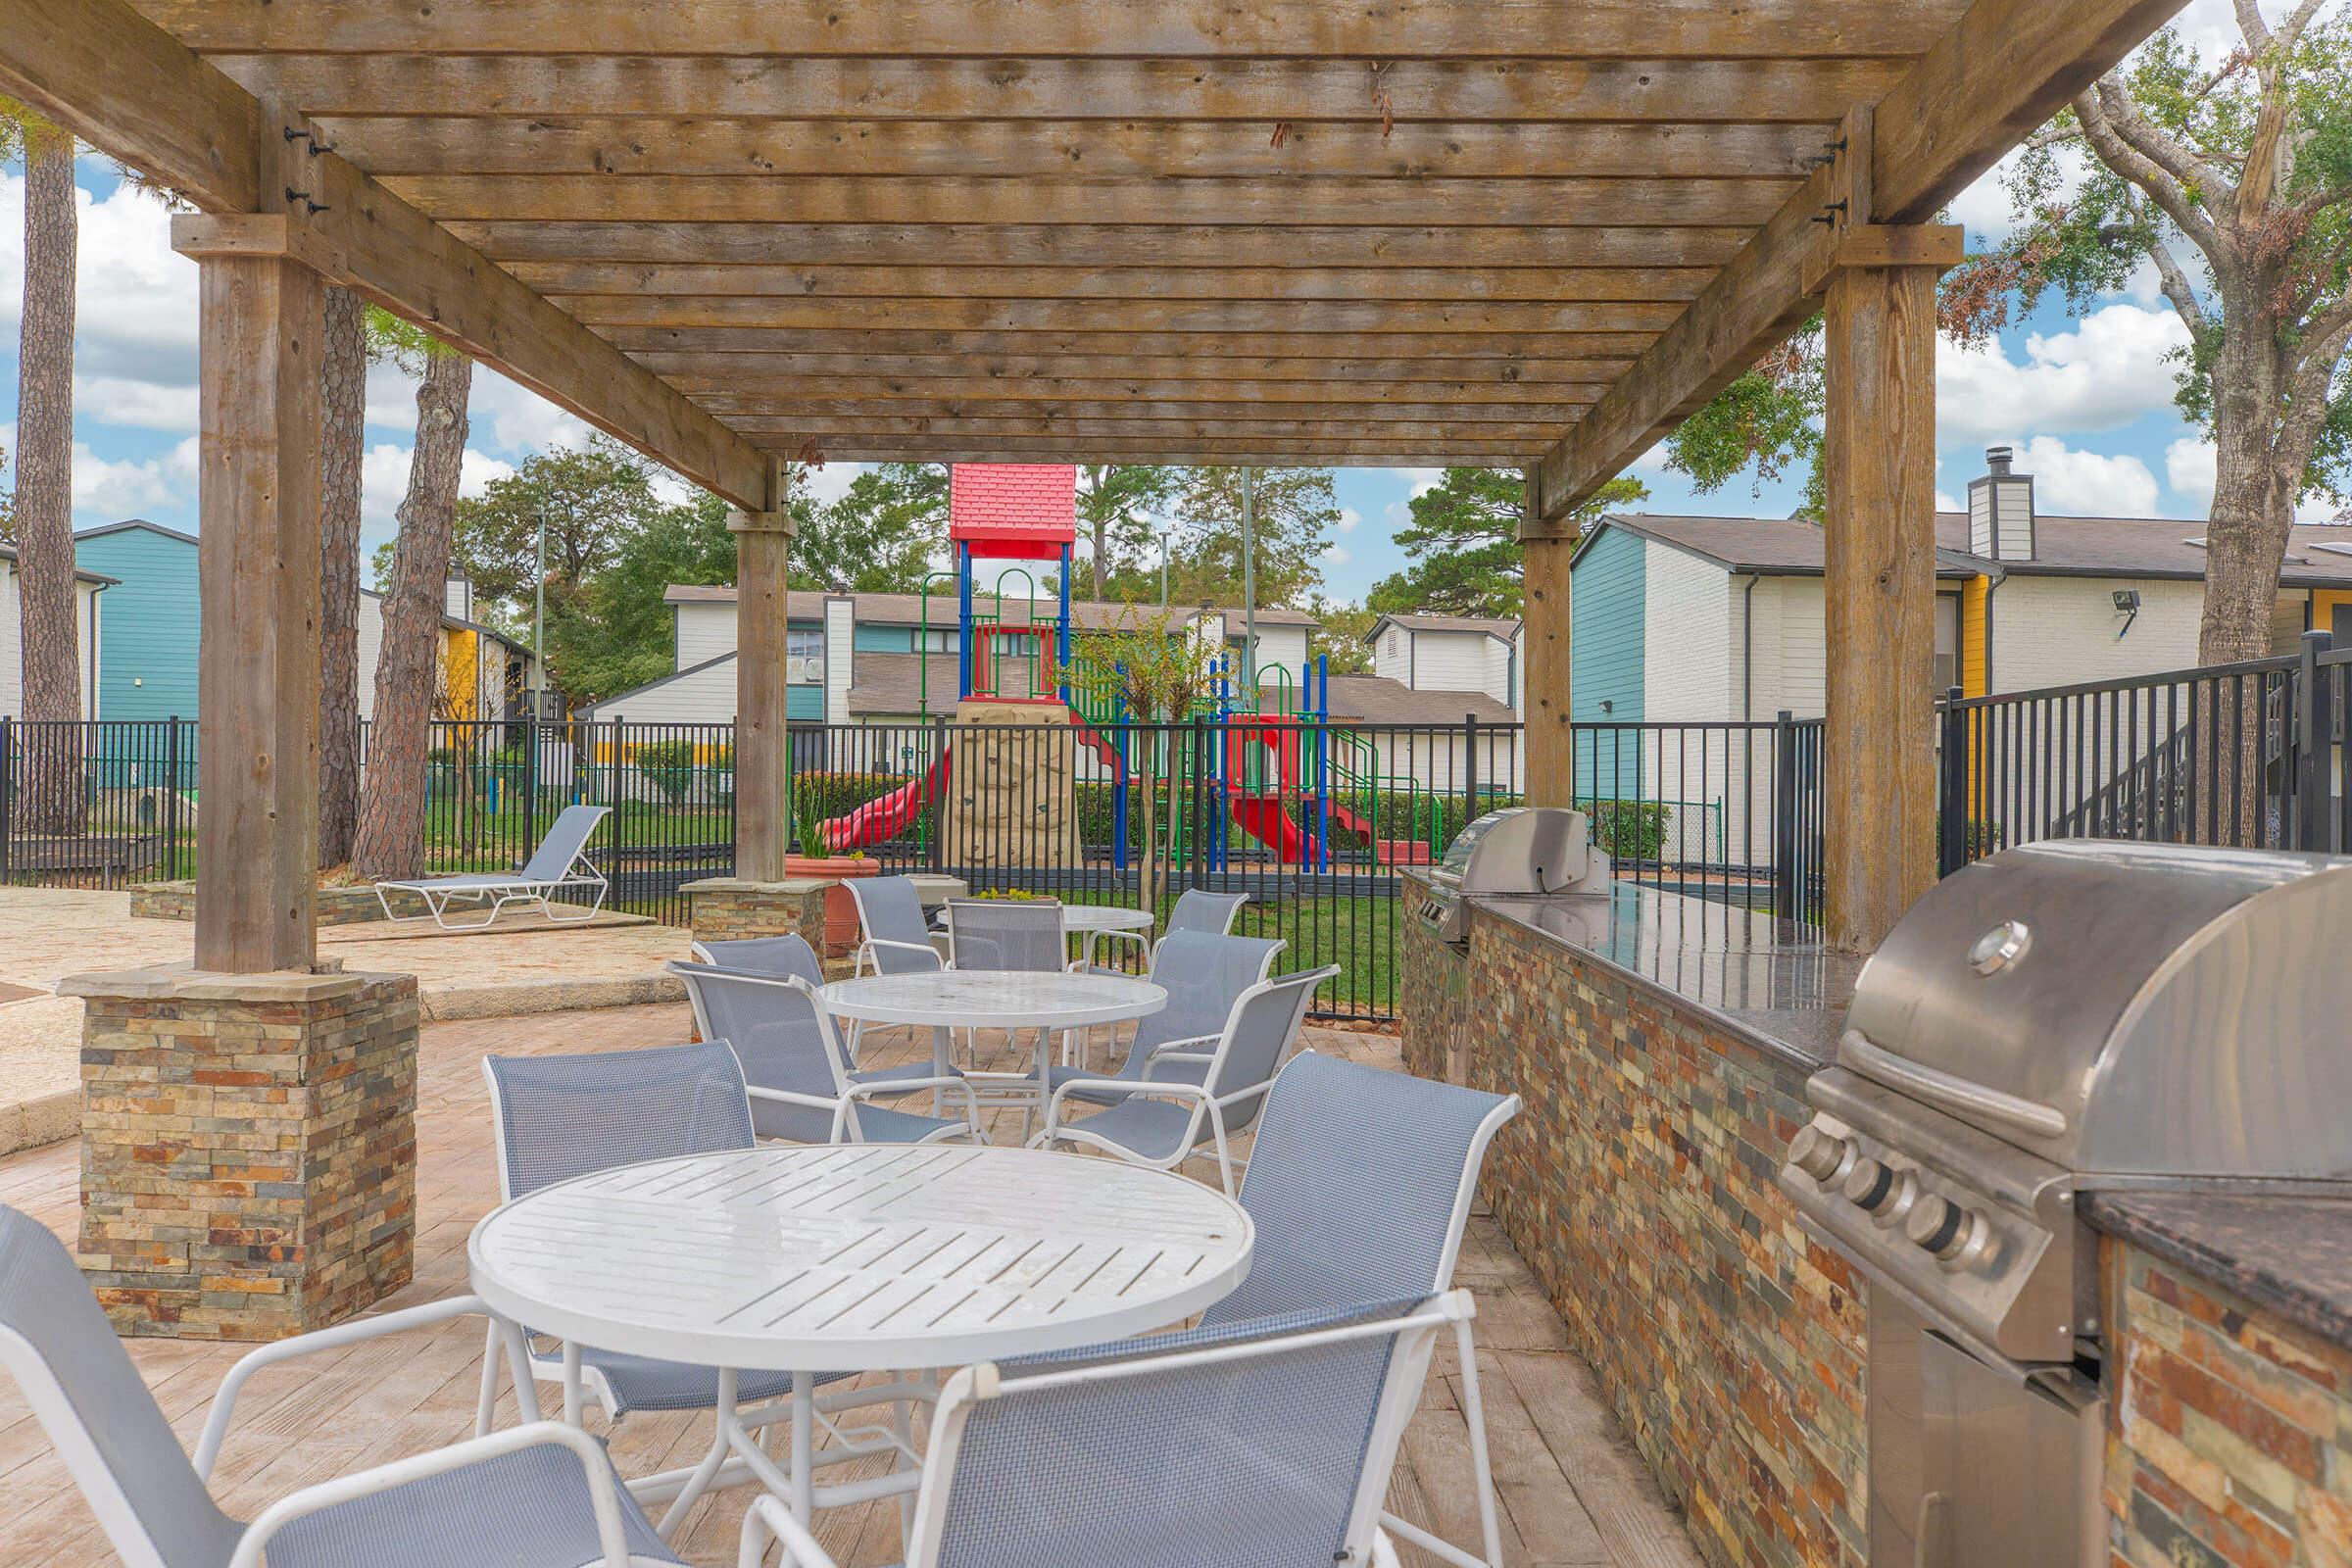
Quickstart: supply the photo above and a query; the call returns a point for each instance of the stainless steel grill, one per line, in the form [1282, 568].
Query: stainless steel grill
[1521, 850]
[2066, 1016]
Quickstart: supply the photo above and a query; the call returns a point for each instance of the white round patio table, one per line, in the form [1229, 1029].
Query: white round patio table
[1090, 921]
[850, 1258]
[980, 999]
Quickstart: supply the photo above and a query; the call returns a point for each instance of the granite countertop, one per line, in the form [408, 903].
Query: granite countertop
[1768, 981]
[2290, 1255]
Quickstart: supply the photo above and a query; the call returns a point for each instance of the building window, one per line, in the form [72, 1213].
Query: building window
[799, 644]
[936, 641]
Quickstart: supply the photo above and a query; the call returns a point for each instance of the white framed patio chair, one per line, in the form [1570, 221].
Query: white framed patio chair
[798, 1075]
[787, 954]
[1161, 1121]
[1327, 1236]
[1197, 910]
[1203, 976]
[1267, 1443]
[1007, 936]
[542, 1494]
[557, 1117]
[893, 938]
[561, 862]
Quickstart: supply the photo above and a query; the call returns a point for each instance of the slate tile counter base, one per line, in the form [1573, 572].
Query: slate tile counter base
[1662, 1046]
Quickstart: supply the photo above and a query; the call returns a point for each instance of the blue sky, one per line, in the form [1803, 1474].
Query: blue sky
[2086, 401]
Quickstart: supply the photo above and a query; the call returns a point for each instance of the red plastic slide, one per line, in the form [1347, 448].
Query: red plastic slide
[880, 818]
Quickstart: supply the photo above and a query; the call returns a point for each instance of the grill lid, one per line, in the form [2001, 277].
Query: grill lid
[1522, 849]
[2125, 1008]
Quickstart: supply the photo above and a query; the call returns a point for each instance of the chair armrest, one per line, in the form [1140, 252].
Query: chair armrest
[767, 1520]
[789, 1096]
[1122, 1086]
[1173, 1046]
[602, 1487]
[215, 1424]
[900, 1086]
[923, 947]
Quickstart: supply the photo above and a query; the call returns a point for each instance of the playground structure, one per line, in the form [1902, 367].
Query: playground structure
[1281, 774]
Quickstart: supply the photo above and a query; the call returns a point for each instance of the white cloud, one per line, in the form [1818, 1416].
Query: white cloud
[1336, 555]
[1946, 502]
[2068, 481]
[108, 491]
[506, 418]
[119, 400]
[2189, 470]
[134, 296]
[2112, 368]
[384, 482]
[1350, 520]
[831, 483]
[1420, 481]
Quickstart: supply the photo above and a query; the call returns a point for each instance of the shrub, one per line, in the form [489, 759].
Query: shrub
[668, 765]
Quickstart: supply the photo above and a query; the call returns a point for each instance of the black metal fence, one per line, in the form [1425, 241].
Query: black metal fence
[1315, 820]
[2247, 754]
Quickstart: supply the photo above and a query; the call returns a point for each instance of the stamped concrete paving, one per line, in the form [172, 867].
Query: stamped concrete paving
[1573, 1493]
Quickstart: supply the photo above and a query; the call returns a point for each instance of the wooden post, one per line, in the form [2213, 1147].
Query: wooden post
[261, 323]
[763, 746]
[1551, 760]
[1878, 463]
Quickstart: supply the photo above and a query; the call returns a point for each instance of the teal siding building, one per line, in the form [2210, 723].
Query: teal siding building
[147, 637]
[1606, 608]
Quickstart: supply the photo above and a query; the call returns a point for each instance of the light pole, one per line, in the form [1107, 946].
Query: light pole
[1249, 584]
[1165, 534]
[539, 610]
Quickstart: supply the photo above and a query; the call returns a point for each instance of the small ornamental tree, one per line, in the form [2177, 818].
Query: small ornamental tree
[1159, 668]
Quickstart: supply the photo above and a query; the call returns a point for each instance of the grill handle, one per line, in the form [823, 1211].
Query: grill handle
[1948, 1091]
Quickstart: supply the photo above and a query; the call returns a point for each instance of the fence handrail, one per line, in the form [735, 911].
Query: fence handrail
[2122, 683]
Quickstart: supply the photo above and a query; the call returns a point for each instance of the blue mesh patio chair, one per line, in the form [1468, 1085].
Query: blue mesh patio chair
[542, 1494]
[797, 1073]
[557, 1117]
[1269, 1442]
[561, 862]
[784, 954]
[781, 958]
[1162, 1121]
[1007, 936]
[1327, 1236]
[1203, 977]
[1197, 910]
[893, 938]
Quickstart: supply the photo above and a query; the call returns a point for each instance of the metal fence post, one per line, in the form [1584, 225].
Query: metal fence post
[1951, 805]
[172, 799]
[938, 805]
[1201, 803]
[7, 790]
[530, 781]
[1469, 771]
[2309, 813]
[1783, 815]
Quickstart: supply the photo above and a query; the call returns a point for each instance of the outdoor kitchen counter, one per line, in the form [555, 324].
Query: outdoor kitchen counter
[1766, 981]
[2288, 1256]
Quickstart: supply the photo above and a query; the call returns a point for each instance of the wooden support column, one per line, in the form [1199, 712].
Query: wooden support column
[1550, 759]
[261, 322]
[1878, 463]
[763, 759]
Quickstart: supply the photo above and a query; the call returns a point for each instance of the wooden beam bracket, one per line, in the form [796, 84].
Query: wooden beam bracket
[1875, 246]
[775, 522]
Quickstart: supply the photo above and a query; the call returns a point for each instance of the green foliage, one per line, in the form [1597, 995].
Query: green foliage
[809, 825]
[880, 537]
[1116, 506]
[1292, 517]
[668, 765]
[1341, 642]
[590, 499]
[8, 495]
[1463, 543]
[1767, 422]
[1152, 665]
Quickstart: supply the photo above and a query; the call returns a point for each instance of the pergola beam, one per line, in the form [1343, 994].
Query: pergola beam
[1337, 317]
[1158, 424]
[564, 280]
[618, 146]
[1162, 245]
[1256, 454]
[1238, 400]
[1259, 92]
[1085, 199]
[2005, 67]
[1013, 375]
[1180, 29]
[722, 348]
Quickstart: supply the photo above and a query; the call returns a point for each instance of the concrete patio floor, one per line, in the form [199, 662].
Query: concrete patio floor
[1573, 1491]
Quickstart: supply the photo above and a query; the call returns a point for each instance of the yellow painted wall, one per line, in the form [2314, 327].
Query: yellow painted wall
[461, 672]
[1974, 597]
[2324, 603]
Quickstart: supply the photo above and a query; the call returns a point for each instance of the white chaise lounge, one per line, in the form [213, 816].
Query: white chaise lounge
[561, 861]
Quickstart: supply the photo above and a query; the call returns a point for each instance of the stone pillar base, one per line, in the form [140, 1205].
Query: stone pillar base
[248, 1148]
[724, 908]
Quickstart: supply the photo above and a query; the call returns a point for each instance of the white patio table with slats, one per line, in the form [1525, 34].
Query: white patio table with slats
[851, 1258]
[982, 998]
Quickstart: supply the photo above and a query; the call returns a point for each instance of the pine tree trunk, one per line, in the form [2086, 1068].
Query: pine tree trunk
[343, 373]
[408, 670]
[52, 796]
[1102, 532]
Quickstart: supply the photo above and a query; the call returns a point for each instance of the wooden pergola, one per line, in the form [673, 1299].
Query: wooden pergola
[735, 233]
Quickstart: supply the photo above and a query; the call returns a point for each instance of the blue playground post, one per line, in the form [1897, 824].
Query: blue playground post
[963, 620]
[1064, 654]
[1323, 761]
[1118, 786]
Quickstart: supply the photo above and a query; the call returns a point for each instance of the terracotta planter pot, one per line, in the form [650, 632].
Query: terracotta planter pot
[841, 909]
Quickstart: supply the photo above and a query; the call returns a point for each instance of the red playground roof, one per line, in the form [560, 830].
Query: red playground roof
[1015, 510]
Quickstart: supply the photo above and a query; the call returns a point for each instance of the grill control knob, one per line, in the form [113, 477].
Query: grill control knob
[1817, 1153]
[1871, 1186]
[1941, 1227]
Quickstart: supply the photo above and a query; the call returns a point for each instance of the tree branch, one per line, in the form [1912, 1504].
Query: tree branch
[2307, 392]
[2183, 161]
[2161, 186]
[2177, 287]
[2290, 31]
[2250, 22]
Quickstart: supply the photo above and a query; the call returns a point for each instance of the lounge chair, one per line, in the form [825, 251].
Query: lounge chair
[557, 1117]
[1235, 1447]
[542, 1494]
[1162, 1122]
[561, 862]
[797, 1073]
